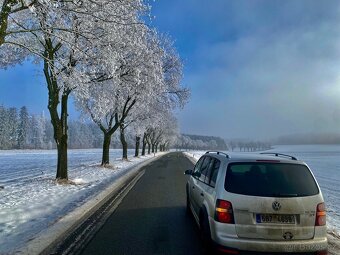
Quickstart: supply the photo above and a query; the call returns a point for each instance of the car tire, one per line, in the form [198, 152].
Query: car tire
[205, 234]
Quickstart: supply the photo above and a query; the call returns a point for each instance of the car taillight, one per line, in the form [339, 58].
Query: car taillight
[320, 219]
[224, 212]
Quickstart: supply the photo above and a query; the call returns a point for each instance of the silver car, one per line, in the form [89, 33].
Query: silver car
[257, 203]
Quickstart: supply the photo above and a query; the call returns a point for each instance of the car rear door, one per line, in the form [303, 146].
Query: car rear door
[209, 185]
[198, 187]
[193, 184]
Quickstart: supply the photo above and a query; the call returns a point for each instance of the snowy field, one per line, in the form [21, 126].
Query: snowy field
[324, 160]
[30, 200]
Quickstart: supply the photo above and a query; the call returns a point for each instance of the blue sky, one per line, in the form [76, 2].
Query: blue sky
[256, 68]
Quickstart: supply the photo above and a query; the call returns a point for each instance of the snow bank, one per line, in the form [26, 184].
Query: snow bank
[31, 199]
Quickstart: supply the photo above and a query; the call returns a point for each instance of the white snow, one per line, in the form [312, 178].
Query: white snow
[324, 161]
[31, 200]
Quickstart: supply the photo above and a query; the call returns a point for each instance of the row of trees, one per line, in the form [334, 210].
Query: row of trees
[196, 142]
[249, 145]
[21, 130]
[122, 73]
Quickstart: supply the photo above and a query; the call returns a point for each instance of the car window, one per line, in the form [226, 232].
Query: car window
[204, 168]
[270, 180]
[208, 175]
[213, 172]
[197, 167]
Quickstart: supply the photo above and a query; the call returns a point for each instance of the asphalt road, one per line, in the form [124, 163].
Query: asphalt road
[152, 219]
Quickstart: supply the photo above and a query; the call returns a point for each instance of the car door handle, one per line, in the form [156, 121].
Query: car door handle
[202, 194]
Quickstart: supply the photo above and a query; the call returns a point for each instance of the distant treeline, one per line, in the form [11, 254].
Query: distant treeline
[200, 142]
[248, 146]
[20, 129]
[311, 138]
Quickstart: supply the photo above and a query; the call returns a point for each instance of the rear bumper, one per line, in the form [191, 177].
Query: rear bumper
[221, 250]
[225, 236]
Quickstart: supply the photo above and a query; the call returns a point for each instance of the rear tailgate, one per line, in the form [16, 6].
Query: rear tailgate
[275, 201]
[255, 217]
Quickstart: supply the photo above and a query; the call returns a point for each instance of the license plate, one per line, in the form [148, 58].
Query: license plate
[275, 218]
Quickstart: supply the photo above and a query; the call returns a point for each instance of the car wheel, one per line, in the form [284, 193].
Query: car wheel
[205, 234]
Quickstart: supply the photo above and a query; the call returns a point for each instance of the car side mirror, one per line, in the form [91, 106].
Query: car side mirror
[196, 174]
[188, 172]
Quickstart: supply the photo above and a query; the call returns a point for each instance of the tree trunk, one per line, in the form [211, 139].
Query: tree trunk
[144, 145]
[62, 159]
[123, 141]
[156, 147]
[59, 124]
[106, 149]
[4, 14]
[166, 146]
[61, 140]
[60, 136]
[137, 146]
[149, 148]
[108, 132]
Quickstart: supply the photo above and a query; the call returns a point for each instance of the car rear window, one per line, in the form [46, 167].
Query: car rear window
[270, 180]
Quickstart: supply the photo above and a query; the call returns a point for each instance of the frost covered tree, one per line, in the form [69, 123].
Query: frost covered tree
[65, 36]
[174, 95]
[8, 127]
[134, 75]
[157, 108]
[138, 128]
[23, 128]
[40, 29]
[159, 130]
[4, 136]
[102, 51]
[137, 122]
[80, 135]
[36, 133]
[13, 126]
[15, 24]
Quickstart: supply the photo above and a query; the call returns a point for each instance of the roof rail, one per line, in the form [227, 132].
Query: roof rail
[279, 155]
[218, 153]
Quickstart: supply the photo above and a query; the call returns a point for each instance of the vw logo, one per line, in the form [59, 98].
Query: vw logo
[276, 206]
[288, 236]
